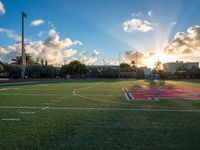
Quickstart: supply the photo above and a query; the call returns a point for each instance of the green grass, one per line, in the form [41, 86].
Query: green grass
[56, 129]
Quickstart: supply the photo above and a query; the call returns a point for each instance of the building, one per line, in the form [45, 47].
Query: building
[173, 66]
[147, 71]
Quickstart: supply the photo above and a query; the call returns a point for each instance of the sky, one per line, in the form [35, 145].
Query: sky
[99, 31]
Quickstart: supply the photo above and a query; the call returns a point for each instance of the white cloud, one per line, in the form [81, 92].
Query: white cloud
[174, 23]
[37, 22]
[138, 57]
[69, 52]
[85, 58]
[88, 59]
[10, 34]
[137, 25]
[110, 62]
[150, 13]
[185, 45]
[40, 34]
[77, 42]
[53, 49]
[2, 9]
[138, 14]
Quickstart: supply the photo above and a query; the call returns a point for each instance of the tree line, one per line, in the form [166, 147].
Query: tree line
[75, 69]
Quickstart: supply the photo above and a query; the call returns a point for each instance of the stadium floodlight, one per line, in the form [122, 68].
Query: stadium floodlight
[23, 65]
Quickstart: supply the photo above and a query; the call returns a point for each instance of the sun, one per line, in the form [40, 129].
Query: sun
[150, 61]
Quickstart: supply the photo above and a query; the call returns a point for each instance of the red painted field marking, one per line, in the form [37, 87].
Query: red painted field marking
[168, 92]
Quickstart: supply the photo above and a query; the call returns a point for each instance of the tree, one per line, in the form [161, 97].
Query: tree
[158, 66]
[1, 68]
[133, 65]
[39, 71]
[18, 60]
[12, 70]
[164, 74]
[110, 73]
[42, 62]
[73, 68]
[194, 73]
[46, 63]
[125, 66]
[181, 72]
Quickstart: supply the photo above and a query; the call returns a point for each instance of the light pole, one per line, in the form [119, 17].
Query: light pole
[119, 64]
[23, 65]
[136, 66]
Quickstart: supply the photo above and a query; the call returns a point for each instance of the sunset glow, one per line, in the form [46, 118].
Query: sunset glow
[163, 58]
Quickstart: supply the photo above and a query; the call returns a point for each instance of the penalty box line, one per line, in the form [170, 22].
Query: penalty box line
[100, 109]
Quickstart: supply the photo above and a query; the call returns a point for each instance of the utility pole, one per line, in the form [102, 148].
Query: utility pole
[23, 65]
[119, 64]
[136, 66]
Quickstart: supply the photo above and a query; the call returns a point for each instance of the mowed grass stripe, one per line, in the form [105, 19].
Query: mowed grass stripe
[98, 109]
[84, 121]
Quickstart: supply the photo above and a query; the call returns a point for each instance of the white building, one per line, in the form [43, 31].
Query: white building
[172, 66]
[147, 71]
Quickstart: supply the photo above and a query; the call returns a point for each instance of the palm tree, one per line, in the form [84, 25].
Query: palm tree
[158, 65]
[18, 60]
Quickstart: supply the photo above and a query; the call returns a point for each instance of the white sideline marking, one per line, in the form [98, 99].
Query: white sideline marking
[101, 109]
[43, 108]
[36, 94]
[10, 119]
[3, 89]
[48, 103]
[57, 101]
[43, 85]
[153, 99]
[126, 96]
[60, 98]
[6, 89]
[14, 83]
[27, 112]
[132, 98]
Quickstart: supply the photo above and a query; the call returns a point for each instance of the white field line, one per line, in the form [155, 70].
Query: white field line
[10, 119]
[25, 112]
[75, 93]
[3, 89]
[99, 95]
[99, 109]
[56, 101]
[66, 95]
[132, 97]
[126, 96]
[100, 100]
[69, 88]
[18, 83]
[36, 94]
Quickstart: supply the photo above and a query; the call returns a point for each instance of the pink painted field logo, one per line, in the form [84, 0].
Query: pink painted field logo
[162, 92]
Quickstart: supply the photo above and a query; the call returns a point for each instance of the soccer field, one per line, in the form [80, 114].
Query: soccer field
[60, 115]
